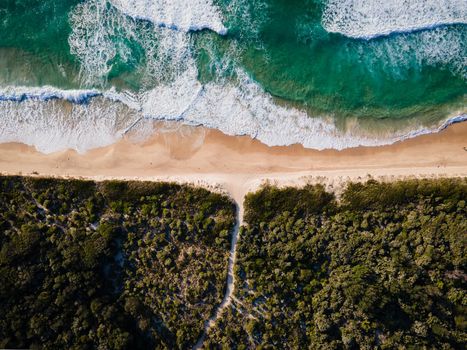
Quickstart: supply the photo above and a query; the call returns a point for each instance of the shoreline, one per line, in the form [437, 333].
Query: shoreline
[239, 164]
[320, 133]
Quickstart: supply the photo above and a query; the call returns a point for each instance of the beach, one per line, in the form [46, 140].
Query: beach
[115, 115]
[239, 164]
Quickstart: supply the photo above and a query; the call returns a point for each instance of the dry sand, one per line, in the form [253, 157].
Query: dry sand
[240, 164]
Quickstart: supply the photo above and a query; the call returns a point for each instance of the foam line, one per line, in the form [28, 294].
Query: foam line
[46, 93]
[180, 15]
[53, 125]
[100, 33]
[367, 19]
[235, 109]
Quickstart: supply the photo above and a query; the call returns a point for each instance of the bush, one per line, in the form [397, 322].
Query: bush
[97, 268]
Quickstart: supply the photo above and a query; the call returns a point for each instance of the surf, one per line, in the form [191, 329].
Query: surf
[193, 15]
[60, 120]
[137, 64]
[365, 19]
[46, 93]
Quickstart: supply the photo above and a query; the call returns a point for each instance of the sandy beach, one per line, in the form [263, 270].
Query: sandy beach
[239, 164]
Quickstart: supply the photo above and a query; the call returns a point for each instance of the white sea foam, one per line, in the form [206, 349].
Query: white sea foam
[91, 40]
[235, 109]
[172, 101]
[245, 109]
[100, 35]
[180, 15]
[371, 18]
[407, 52]
[54, 125]
[91, 118]
[45, 93]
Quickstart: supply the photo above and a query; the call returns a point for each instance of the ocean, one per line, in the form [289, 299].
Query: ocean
[80, 74]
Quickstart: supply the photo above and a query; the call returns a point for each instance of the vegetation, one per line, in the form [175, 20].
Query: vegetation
[383, 268]
[118, 265]
[110, 265]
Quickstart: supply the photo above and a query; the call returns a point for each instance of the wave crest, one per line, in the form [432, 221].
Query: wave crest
[180, 15]
[102, 37]
[54, 125]
[236, 109]
[46, 93]
[367, 19]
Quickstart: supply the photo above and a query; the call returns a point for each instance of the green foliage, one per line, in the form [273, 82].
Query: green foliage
[142, 265]
[263, 205]
[378, 196]
[87, 265]
[383, 269]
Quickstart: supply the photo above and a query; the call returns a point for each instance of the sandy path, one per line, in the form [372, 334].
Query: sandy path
[230, 284]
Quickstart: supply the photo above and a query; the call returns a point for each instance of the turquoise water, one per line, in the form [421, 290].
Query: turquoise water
[269, 56]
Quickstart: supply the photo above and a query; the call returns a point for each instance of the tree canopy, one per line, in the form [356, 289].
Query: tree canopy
[112, 265]
[382, 268]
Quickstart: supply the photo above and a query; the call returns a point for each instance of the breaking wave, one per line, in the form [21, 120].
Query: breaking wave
[180, 15]
[107, 35]
[46, 93]
[367, 19]
[242, 109]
